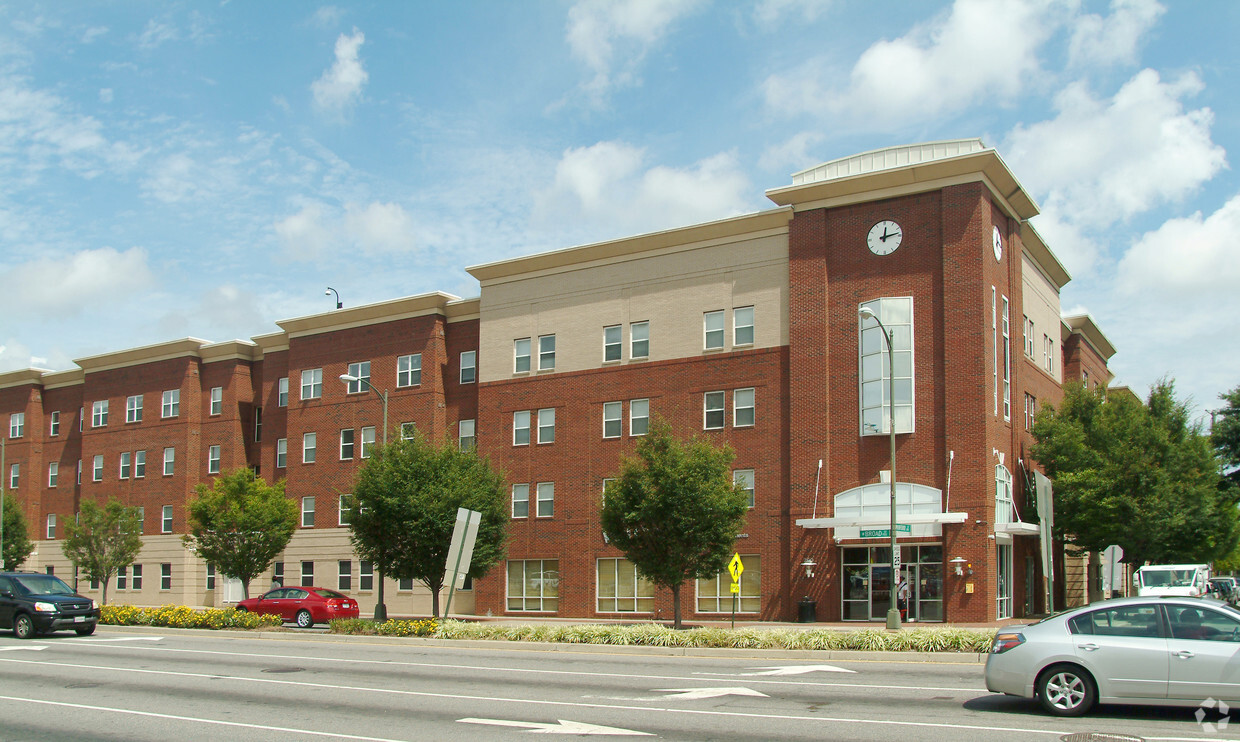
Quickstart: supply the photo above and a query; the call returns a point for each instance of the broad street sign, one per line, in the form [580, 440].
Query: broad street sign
[885, 532]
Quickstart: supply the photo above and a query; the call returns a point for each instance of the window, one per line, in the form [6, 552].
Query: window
[139, 464]
[344, 572]
[404, 584]
[17, 424]
[408, 431]
[715, 594]
[53, 430]
[213, 459]
[612, 419]
[409, 370]
[1048, 354]
[312, 383]
[14, 476]
[345, 507]
[346, 444]
[713, 326]
[713, 403]
[133, 409]
[360, 371]
[546, 352]
[308, 443]
[743, 408]
[136, 582]
[896, 314]
[1029, 337]
[639, 416]
[521, 428]
[744, 477]
[141, 519]
[365, 575]
[307, 574]
[546, 499]
[99, 414]
[1003, 595]
[534, 585]
[51, 525]
[122, 578]
[210, 576]
[126, 465]
[53, 473]
[994, 333]
[307, 512]
[282, 392]
[81, 417]
[217, 400]
[165, 576]
[639, 340]
[1130, 621]
[1007, 365]
[469, 366]
[465, 435]
[1003, 495]
[621, 589]
[171, 405]
[742, 326]
[97, 469]
[368, 441]
[546, 425]
[520, 501]
[611, 343]
[521, 355]
[277, 573]
[281, 453]
[170, 459]
[166, 520]
[79, 472]
[1031, 410]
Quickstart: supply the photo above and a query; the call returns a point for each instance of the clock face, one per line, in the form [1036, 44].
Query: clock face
[998, 240]
[884, 237]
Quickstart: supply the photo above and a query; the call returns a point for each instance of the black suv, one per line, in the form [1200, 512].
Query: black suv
[32, 603]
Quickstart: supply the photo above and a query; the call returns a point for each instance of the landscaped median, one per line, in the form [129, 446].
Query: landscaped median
[920, 639]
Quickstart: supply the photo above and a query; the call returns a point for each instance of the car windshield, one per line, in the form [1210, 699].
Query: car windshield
[1168, 577]
[323, 592]
[42, 585]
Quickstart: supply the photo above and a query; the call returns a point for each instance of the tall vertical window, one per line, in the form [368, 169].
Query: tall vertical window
[621, 589]
[15, 476]
[1048, 354]
[210, 576]
[521, 428]
[170, 460]
[122, 578]
[213, 459]
[133, 409]
[520, 501]
[1003, 495]
[165, 576]
[170, 405]
[136, 582]
[1003, 593]
[344, 507]
[141, 519]
[612, 419]
[365, 575]
[713, 410]
[744, 477]
[639, 416]
[533, 585]
[1031, 409]
[281, 453]
[612, 342]
[17, 424]
[521, 355]
[139, 464]
[126, 465]
[360, 371]
[51, 525]
[217, 400]
[546, 499]
[1007, 364]
[97, 469]
[307, 512]
[282, 392]
[465, 435]
[53, 428]
[53, 473]
[165, 522]
[994, 342]
[99, 414]
[307, 574]
[742, 326]
[312, 383]
[309, 444]
[469, 366]
[368, 441]
[877, 377]
[344, 574]
[1029, 337]
[712, 324]
[546, 425]
[546, 352]
[258, 424]
[346, 444]
[639, 339]
[409, 370]
[743, 415]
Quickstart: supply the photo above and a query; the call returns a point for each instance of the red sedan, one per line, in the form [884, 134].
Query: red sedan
[304, 606]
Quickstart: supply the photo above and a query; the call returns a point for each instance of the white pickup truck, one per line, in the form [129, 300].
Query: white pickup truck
[1172, 579]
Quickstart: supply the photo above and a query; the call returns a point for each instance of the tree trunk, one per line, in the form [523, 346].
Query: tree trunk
[245, 587]
[104, 600]
[435, 598]
[676, 606]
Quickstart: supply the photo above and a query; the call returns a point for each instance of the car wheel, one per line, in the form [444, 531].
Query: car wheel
[85, 630]
[304, 619]
[23, 627]
[242, 609]
[1066, 690]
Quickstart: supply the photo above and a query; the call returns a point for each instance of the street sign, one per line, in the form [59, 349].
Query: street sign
[736, 587]
[460, 551]
[736, 567]
[885, 532]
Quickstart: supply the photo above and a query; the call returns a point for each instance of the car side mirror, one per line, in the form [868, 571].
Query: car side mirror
[6, 594]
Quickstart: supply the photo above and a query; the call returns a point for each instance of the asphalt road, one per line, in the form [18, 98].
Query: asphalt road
[121, 685]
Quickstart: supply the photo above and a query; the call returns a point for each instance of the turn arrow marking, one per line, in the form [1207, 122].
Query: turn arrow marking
[35, 647]
[563, 726]
[798, 670]
[692, 694]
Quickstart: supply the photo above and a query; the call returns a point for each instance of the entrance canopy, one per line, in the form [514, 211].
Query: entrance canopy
[868, 508]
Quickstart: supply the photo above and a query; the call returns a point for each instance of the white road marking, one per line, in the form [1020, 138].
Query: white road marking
[35, 647]
[798, 670]
[562, 727]
[693, 694]
[100, 640]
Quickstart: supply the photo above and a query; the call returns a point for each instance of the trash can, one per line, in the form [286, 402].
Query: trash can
[808, 610]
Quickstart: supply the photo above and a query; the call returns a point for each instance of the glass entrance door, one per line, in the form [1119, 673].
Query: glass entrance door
[880, 591]
[866, 589]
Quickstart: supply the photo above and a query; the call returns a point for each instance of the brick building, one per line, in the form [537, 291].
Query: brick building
[745, 330]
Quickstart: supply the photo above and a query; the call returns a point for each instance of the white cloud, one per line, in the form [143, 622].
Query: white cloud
[375, 228]
[379, 227]
[305, 234]
[771, 13]
[63, 287]
[92, 33]
[1114, 39]
[156, 33]
[105, 95]
[340, 87]
[1192, 258]
[327, 16]
[611, 34]
[793, 154]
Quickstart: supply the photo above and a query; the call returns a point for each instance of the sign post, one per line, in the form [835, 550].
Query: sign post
[464, 533]
[736, 567]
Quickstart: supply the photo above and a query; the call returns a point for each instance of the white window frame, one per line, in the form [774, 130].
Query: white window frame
[282, 453]
[213, 459]
[1007, 362]
[521, 428]
[520, 500]
[17, 424]
[872, 365]
[170, 404]
[409, 370]
[360, 371]
[347, 444]
[170, 461]
[165, 576]
[639, 417]
[282, 392]
[469, 366]
[133, 408]
[546, 425]
[15, 476]
[545, 493]
[311, 383]
[309, 447]
[613, 415]
[51, 526]
[307, 511]
[367, 442]
[613, 343]
[53, 426]
[521, 348]
[720, 410]
[639, 339]
[994, 342]
[344, 574]
[217, 400]
[546, 352]
[344, 510]
[99, 414]
[545, 596]
[642, 598]
[97, 468]
[745, 477]
[165, 519]
[742, 326]
[744, 401]
[714, 329]
[466, 434]
[125, 465]
[139, 464]
[53, 473]
[307, 573]
[408, 431]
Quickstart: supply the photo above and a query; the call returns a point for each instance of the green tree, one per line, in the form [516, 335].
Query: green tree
[1137, 475]
[103, 539]
[674, 510]
[17, 543]
[240, 524]
[1226, 434]
[404, 509]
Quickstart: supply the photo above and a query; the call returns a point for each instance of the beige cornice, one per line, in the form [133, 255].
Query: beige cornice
[271, 342]
[463, 310]
[22, 377]
[146, 354]
[61, 379]
[241, 350]
[1084, 325]
[1041, 255]
[368, 314]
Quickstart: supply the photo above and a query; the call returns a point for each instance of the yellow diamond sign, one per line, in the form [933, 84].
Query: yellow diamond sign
[735, 567]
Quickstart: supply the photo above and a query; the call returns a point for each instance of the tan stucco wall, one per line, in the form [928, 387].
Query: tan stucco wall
[1041, 304]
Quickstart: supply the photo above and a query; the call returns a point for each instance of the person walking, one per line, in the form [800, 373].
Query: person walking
[902, 595]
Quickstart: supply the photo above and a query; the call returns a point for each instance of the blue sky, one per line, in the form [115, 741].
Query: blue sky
[173, 169]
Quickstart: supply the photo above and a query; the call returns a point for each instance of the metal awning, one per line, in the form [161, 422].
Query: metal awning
[1018, 529]
[870, 522]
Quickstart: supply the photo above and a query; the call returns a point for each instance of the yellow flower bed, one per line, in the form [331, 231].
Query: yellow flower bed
[184, 617]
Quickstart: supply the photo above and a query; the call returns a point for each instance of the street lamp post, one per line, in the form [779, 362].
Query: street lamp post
[893, 612]
[380, 607]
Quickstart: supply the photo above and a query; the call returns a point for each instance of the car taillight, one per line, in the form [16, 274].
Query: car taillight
[1006, 641]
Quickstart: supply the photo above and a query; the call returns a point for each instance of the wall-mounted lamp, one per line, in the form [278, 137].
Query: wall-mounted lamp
[960, 563]
[331, 291]
[809, 565]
